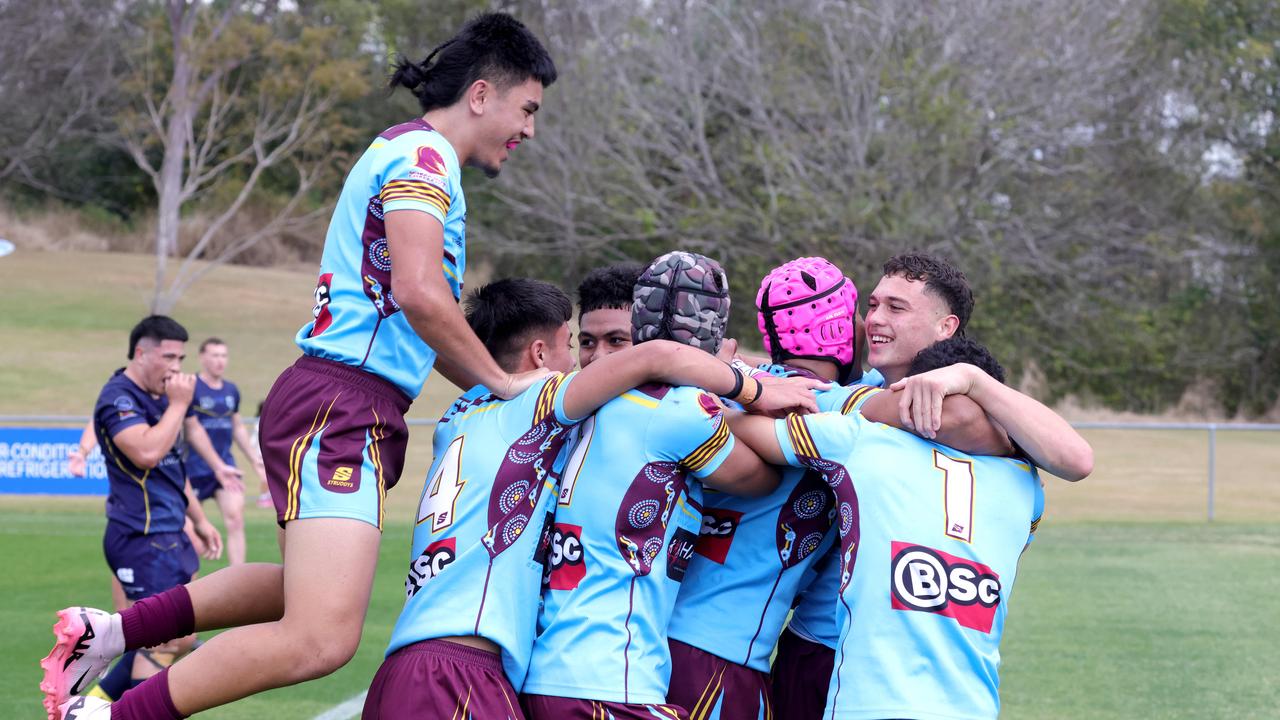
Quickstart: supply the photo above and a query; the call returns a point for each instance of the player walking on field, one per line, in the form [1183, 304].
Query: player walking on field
[217, 407]
[138, 418]
[333, 432]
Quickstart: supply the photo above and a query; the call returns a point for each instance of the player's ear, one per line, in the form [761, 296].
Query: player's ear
[477, 94]
[948, 326]
[537, 352]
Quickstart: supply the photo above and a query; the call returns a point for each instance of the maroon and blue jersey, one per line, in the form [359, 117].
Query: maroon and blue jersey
[930, 539]
[215, 410]
[626, 523]
[144, 500]
[475, 566]
[752, 556]
[357, 321]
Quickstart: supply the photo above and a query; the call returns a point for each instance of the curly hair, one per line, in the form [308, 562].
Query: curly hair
[956, 350]
[940, 278]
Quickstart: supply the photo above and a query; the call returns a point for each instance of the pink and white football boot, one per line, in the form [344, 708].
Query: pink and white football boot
[86, 641]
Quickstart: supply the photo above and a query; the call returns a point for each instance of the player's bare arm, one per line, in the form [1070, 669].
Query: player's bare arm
[203, 528]
[228, 476]
[1045, 436]
[146, 445]
[962, 423]
[744, 472]
[757, 433]
[416, 242]
[679, 364]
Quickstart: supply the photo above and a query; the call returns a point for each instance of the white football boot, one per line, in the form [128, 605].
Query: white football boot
[86, 641]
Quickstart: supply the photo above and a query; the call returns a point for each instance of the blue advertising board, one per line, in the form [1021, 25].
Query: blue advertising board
[34, 461]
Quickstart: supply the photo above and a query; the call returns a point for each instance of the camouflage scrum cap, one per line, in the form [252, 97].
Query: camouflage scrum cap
[681, 296]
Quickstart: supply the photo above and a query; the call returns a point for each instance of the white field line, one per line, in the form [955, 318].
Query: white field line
[347, 710]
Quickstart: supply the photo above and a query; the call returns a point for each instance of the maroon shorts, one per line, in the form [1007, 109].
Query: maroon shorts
[801, 676]
[441, 680]
[713, 688]
[333, 440]
[546, 707]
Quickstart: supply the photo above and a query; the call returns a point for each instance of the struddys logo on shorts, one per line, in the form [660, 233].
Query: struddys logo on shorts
[928, 580]
[434, 559]
[716, 535]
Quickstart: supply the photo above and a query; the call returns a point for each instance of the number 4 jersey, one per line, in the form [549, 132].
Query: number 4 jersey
[930, 541]
[484, 508]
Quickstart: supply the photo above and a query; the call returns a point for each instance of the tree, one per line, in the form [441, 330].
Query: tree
[232, 99]
[59, 68]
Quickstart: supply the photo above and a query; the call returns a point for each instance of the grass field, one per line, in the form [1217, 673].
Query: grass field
[1108, 620]
[1128, 605]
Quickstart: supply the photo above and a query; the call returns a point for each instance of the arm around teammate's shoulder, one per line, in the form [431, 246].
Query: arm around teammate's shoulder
[743, 473]
[1046, 437]
[416, 242]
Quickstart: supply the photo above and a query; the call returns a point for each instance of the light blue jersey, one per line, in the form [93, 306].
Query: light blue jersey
[475, 567]
[930, 541]
[752, 555]
[357, 320]
[625, 528]
[814, 616]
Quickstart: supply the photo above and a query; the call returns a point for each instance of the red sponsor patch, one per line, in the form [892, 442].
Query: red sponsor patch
[433, 560]
[926, 580]
[323, 319]
[718, 528]
[567, 560]
[429, 159]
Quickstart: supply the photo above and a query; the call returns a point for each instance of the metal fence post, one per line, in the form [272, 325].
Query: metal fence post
[1213, 447]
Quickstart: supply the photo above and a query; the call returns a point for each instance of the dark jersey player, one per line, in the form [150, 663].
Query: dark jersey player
[138, 418]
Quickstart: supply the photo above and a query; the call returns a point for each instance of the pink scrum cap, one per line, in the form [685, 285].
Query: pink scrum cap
[808, 309]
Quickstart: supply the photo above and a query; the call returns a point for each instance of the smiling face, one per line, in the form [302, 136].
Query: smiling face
[902, 320]
[603, 332]
[505, 119]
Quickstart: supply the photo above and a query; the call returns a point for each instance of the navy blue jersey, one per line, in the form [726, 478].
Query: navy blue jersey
[215, 409]
[143, 500]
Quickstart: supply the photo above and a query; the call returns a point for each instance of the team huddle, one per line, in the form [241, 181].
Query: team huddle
[671, 530]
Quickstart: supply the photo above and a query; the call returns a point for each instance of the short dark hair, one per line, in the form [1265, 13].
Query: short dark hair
[158, 328]
[956, 350]
[211, 341]
[493, 46]
[940, 277]
[610, 287]
[505, 314]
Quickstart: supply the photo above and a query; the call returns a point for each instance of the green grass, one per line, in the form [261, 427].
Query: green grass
[53, 558]
[1115, 620]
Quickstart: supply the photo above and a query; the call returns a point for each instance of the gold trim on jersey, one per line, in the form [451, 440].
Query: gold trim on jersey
[706, 452]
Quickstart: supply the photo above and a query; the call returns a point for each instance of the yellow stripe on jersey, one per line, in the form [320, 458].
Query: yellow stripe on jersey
[417, 191]
[1034, 525]
[546, 404]
[801, 440]
[639, 399]
[857, 395]
[704, 453]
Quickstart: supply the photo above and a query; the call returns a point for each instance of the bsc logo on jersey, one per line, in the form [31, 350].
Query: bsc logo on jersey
[718, 528]
[433, 560]
[928, 580]
[567, 563]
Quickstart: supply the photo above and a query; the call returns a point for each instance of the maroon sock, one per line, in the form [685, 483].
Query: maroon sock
[158, 619]
[148, 701]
